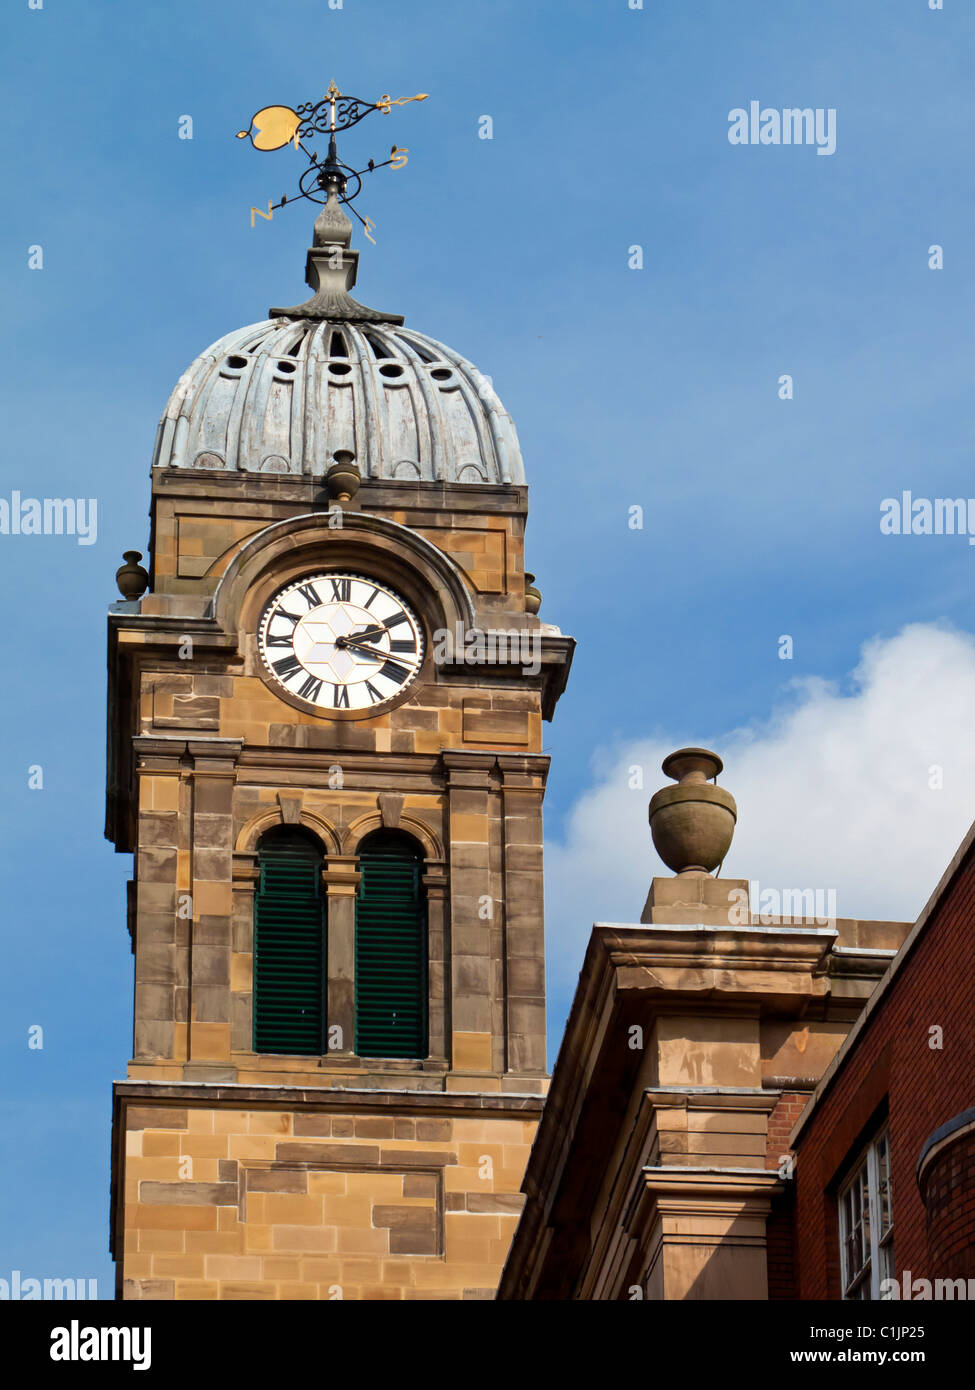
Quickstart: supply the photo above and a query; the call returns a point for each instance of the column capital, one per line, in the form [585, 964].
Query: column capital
[521, 770]
[465, 768]
[245, 869]
[341, 875]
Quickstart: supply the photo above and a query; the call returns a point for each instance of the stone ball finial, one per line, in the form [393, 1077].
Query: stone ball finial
[343, 478]
[692, 824]
[132, 579]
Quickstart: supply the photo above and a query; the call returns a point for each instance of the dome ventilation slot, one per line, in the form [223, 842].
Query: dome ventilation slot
[423, 356]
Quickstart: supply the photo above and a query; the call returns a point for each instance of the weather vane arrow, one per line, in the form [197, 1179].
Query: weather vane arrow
[274, 127]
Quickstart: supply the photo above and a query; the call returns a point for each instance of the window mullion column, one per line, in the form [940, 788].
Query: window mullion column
[341, 877]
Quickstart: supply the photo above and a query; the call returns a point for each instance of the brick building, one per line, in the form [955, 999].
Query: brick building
[885, 1149]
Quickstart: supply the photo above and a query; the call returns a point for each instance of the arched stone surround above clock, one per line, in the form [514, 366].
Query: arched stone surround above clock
[290, 548]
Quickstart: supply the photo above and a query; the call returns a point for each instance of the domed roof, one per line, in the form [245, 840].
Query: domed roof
[283, 395]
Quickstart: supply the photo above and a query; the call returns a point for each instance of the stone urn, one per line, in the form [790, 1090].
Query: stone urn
[533, 596]
[692, 824]
[132, 579]
[343, 478]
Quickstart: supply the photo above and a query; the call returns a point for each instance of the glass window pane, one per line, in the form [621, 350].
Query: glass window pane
[885, 1193]
[866, 1224]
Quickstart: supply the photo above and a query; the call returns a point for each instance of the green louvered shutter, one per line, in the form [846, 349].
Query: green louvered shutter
[390, 951]
[289, 947]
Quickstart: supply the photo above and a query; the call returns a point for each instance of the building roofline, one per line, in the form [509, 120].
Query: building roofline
[960, 857]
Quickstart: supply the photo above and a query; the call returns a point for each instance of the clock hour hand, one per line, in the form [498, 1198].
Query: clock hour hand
[370, 634]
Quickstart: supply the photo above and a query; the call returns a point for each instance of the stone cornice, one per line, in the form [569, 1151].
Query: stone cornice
[290, 490]
[647, 945]
[320, 1098]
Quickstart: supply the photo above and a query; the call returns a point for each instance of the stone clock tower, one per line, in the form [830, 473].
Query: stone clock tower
[326, 698]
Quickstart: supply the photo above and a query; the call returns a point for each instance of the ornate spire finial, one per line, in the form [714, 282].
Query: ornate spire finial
[333, 184]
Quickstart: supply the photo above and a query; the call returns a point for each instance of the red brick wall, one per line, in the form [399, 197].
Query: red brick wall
[788, 1108]
[949, 1196]
[778, 1229]
[892, 1062]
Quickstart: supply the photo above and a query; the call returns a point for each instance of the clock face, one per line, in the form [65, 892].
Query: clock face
[341, 641]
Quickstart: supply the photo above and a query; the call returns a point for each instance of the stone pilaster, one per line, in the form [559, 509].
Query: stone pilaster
[213, 772]
[341, 880]
[161, 940]
[246, 875]
[473, 907]
[701, 1234]
[522, 789]
[438, 961]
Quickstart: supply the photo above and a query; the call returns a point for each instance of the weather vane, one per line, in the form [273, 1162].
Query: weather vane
[273, 127]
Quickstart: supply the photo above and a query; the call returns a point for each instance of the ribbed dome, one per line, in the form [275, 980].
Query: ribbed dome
[282, 396]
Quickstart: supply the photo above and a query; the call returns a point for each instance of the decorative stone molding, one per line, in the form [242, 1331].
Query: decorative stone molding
[290, 803]
[390, 808]
[288, 548]
[258, 825]
[702, 1232]
[410, 825]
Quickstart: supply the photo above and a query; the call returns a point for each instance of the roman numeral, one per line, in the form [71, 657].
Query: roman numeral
[370, 598]
[396, 620]
[342, 589]
[393, 671]
[310, 595]
[278, 639]
[374, 694]
[287, 667]
[340, 697]
[404, 645]
[311, 688]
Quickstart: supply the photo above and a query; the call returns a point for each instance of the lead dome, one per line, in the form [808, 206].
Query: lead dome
[284, 395]
[287, 394]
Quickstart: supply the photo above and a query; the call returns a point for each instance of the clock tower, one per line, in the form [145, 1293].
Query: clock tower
[326, 695]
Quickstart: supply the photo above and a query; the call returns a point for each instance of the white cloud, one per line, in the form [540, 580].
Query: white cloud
[833, 791]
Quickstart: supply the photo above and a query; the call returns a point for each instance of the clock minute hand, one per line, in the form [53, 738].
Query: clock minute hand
[372, 651]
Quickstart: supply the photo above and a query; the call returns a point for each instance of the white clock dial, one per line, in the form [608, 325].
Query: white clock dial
[341, 641]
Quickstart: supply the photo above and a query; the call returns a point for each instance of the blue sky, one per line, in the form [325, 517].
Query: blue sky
[653, 387]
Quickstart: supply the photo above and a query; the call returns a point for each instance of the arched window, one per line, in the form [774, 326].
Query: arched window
[289, 945]
[390, 949]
